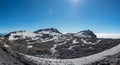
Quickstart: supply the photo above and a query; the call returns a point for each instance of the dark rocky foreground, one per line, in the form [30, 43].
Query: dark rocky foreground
[78, 50]
[9, 57]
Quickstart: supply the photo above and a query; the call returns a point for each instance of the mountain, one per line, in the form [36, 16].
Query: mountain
[3, 34]
[85, 34]
[42, 33]
[50, 31]
[55, 46]
[51, 47]
[20, 35]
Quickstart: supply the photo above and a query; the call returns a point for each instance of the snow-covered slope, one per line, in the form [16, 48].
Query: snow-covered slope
[47, 33]
[21, 35]
[90, 42]
[42, 34]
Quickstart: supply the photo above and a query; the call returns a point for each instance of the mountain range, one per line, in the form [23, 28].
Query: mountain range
[51, 47]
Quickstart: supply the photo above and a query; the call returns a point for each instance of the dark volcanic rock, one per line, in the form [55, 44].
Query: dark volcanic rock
[51, 30]
[85, 34]
[89, 32]
[7, 59]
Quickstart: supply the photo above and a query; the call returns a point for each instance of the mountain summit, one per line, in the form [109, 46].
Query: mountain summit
[85, 34]
[52, 31]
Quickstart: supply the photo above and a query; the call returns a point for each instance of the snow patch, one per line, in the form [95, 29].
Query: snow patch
[46, 40]
[75, 41]
[84, 41]
[53, 50]
[29, 46]
[5, 45]
[71, 47]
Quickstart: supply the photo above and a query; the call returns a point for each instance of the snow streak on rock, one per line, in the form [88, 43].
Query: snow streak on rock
[53, 49]
[75, 41]
[84, 41]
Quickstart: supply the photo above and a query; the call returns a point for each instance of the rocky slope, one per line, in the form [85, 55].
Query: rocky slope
[109, 60]
[7, 58]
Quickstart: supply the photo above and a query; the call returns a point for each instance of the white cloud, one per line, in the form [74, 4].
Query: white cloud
[108, 35]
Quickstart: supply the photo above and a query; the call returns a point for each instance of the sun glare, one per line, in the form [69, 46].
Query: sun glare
[75, 1]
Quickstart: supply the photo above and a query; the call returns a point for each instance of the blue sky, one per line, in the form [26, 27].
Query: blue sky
[65, 15]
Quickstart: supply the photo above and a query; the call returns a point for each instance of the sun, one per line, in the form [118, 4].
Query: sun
[75, 1]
